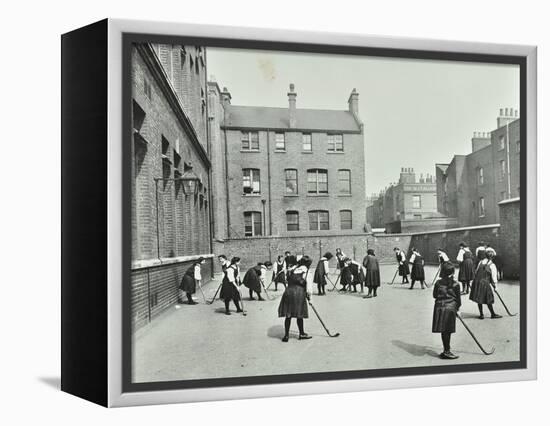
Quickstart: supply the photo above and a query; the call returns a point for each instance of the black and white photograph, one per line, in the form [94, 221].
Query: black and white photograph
[302, 214]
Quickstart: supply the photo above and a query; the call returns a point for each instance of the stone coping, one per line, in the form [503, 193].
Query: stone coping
[509, 201]
[149, 263]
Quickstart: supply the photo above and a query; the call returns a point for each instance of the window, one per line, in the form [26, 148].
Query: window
[250, 141]
[306, 142]
[252, 224]
[480, 176]
[166, 162]
[417, 202]
[345, 219]
[518, 146]
[481, 207]
[280, 142]
[501, 142]
[292, 221]
[251, 181]
[317, 181]
[502, 169]
[417, 216]
[335, 143]
[291, 182]
[318, 220]
[138, 116]
[344, 182]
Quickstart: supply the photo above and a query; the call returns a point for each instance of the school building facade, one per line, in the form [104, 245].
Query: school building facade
[471, 187]
[286, 171]
[170, 173]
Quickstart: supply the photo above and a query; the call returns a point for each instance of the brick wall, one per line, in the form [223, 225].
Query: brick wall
[155, 288]
[259, 249]
[510, 232]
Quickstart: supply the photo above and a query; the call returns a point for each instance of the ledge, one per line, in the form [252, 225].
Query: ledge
[250, 151]
[291, 195]
[149, 263]
[317, 195]
[336, 152]
[307, 152]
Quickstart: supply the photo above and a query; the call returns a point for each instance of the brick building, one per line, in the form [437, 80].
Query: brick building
[286, 171]
[410, 205]
[470, 187]
[170, 223]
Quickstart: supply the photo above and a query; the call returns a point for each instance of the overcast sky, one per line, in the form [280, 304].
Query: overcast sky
[416, 112]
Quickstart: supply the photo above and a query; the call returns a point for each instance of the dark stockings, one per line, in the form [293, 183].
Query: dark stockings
[300, 322]
[320, 289]
[490, 306]
[235, 301]
[251, 294]
[446, 339]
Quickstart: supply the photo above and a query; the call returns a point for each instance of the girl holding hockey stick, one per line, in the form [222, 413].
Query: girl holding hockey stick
[230, 283]
[294, 300]
[446, 293]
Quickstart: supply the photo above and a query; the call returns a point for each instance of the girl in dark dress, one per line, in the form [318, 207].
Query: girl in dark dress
[293, 302]
[417, 271]
[346, 277]
[189, 281]
[485, 280]
[321, 273]
[279, 276]
[372, 276]
[402, 264]
[251, 281]
[340, 256]
[466, 271]
[230, 285]
[358, 276]
[446, 293]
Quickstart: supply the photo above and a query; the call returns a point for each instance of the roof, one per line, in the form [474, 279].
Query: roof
[278, 118]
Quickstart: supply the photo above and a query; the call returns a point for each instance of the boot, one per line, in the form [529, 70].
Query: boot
[448, 355]
[304, 336]
[285, 338]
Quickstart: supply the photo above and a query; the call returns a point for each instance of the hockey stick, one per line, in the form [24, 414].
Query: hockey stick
[215, 294]
[321, 321]
[394, 275]
[334, 284]
[265, 289]
[436, 274]
[200, 288]
[242, 301]
[504, 304]
[474, 337]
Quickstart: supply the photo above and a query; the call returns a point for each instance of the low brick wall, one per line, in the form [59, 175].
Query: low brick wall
[449, 239]
[259, 249]
[155, 288]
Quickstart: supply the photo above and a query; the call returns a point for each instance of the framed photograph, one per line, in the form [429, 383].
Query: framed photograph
[253, 213]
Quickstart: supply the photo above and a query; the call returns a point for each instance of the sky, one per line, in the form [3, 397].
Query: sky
[416, 113]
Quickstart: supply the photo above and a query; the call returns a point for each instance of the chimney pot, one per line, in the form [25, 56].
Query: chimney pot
[292, 106]
[501, 112]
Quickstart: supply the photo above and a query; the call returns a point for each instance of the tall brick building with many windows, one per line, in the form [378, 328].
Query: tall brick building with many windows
[471, 186]
[287, 171]
[170, 222]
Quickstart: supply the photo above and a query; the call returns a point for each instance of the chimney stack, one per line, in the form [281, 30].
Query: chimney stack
[480, 140]
[506, 116]
[226, 97]
[353, 102]
[292, 106]
[407, 175]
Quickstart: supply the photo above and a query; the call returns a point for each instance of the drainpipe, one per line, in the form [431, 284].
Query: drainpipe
[269, 185]
[227, 211]
[509, 183]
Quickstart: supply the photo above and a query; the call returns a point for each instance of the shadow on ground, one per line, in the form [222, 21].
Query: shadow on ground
[415, 350]
[54, 382]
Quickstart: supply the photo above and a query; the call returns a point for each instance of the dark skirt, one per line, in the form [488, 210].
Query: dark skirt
[293, 303]
[229, 291]
[252, 281]
[372, 279]
[404, 270]
[444, 317]
[188, 284]
[279, 277]
[466, 271]
[417, 273]
[482, 292]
